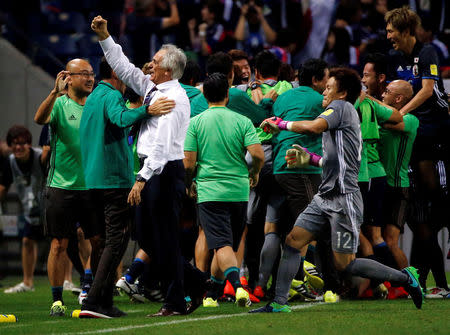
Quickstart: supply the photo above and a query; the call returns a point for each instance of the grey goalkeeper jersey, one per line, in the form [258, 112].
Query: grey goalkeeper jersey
[341, 145]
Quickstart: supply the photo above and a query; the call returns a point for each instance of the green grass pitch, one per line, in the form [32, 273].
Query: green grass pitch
[346, 317]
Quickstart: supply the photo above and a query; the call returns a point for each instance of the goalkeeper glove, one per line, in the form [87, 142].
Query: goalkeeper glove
[299, 157]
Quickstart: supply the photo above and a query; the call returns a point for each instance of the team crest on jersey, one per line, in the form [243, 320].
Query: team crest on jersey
[415, 70]
[328, 112]
[433, 69]
[408, 68]
[416, 59]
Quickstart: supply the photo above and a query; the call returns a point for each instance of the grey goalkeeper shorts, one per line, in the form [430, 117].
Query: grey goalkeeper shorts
[344, 214]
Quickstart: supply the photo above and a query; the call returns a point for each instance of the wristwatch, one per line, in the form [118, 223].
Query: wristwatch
[140, 178]
[254, 86]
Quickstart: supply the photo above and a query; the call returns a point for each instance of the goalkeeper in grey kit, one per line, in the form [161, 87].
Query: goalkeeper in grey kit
[338, 202]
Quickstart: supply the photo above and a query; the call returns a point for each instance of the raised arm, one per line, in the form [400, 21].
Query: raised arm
[239, 32]
[42, 115]
[395, 117]
[131, 75]
[174, 17]
[423, 95]
[275, 124]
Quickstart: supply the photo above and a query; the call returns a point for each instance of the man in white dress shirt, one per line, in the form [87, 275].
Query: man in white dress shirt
[159, 185]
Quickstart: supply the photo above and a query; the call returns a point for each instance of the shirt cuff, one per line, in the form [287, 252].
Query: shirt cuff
[107, 44]
[146, 173]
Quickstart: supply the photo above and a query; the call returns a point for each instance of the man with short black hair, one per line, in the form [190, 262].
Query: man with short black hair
[240, 59]
[216, 143]
[299, 185]
[338, 202]
[25, 169]
[267, 67]
[238, 100]
[375, 74]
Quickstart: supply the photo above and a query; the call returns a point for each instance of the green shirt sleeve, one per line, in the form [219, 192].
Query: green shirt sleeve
[411, 124]
[190, 143]
[119, 114]
[240, 103]
[250, 134]
[383, 113]
[55, 111]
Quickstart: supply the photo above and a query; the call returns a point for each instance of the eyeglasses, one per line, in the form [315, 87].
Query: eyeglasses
[84, 74]
[14, 143]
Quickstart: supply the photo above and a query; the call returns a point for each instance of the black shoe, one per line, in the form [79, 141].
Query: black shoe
[114, 312]
[91, 311]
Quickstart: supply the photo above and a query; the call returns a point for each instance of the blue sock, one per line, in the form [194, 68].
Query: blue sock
[135, 270]
[232, 275]
[57, 293]
[88, 279]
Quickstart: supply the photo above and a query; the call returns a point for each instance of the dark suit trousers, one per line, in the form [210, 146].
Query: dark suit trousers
[157, 218]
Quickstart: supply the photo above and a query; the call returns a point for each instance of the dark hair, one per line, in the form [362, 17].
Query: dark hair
[267, 64]
[18, 131]
[131, 95]
[191, 74]
[403, 19]
[286, 72]
[215, 87]
[238, 54]
[219, 62]
[311, 68]
[215, 7]
[379, 61]
[428, 24]
[104, 69]
[347, 80]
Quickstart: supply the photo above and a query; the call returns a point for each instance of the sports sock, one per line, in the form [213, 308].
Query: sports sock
[437, 263]
[269, 254]
[57, 292]
[216, 290]
[310, 254]
[373, 282]
[383, 253]
[87, 280]
[371, 269]
[135, 270]
[289, 264]
[232, 275]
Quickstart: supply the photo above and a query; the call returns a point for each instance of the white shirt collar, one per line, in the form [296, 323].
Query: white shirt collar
[167, 84]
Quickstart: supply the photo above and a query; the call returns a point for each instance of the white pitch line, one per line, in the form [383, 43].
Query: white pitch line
[174, 322]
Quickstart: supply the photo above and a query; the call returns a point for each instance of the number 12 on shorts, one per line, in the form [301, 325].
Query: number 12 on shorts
[346, 238]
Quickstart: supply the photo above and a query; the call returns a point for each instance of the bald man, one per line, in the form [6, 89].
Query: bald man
[68, 202]
[396, 143]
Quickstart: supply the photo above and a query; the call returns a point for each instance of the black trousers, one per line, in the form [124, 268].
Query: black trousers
[157, 230]
[299, 189]
[117, 234]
